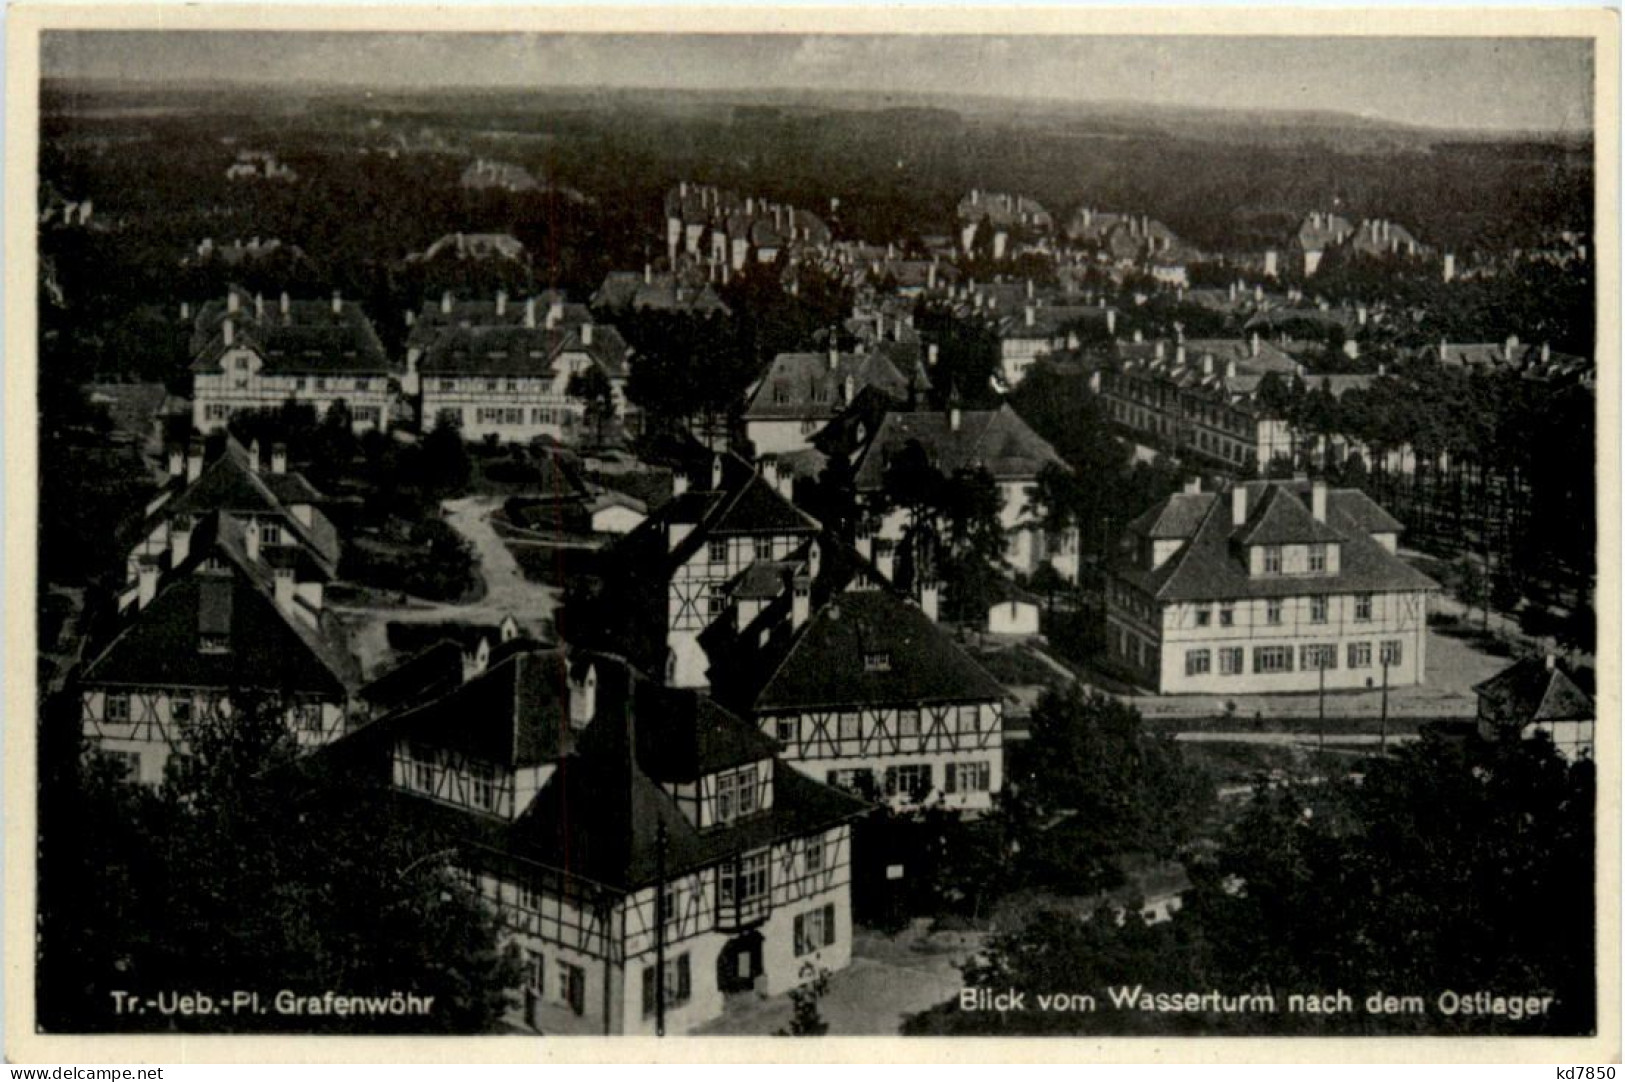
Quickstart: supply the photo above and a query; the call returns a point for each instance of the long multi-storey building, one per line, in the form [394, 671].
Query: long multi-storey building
[504, 369]
[247, 354]
[1275, 586]
[643, 847]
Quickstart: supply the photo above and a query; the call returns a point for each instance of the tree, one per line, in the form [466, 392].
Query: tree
[591, 387]
[444, 465]
[249, 869]
[806, 1020]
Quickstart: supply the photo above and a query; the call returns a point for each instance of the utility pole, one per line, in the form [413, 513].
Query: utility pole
[661, 842]
[1384, 729]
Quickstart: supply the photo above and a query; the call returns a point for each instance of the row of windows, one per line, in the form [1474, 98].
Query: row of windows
[1319, 608]
[737, 794]
[427, 772]
[906, 722]
[761, 548]
[1278, 659]
[183, 707]
[678, 984]
[915, 780]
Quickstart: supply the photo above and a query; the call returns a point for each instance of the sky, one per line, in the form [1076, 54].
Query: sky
[1487, 84]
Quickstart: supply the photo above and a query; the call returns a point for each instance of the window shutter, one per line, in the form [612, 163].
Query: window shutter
[801, 934]
[891, 781]
[682, 977]
[925, 779]
[984, 776]
[829, 924]
[648, 990]
[948, 778]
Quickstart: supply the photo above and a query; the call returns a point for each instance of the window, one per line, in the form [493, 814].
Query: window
[363, 384]
[1362, 608]
[1393, 652]
[118, 708]
[1204, 616]
[321, 385]
[1198, 662]
[513, 386]
[573, 986]
[1317, 656]
[448, 385]
[213, 644]
[299, 383]
[678, 985]
[912, 780]
[270, 533]
[1317, 559]
[813, 858]
[849, 727]
[967, 778]
[743, 882]
[714, 604]
[1272, 612]
[422, 768]
[908, 722]
[856, 780]
[308, 716]
[1317, 610]
[128, 762]
[763, 547]
[1268, 659]
[668, 904]
[877, 662]
[736, 793]
[786, 729]
[815, 930]
[1227, 614]
[970, 719]
[180, 707]
[530, 898]
[1272, 559]
[483, 786]
[490, 385]
[1230, 660]
[717, 552]
[535, 970]
[1359, 655]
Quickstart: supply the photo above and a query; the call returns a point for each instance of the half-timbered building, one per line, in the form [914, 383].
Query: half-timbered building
[283, 508]
[643, 847]
[237, 620]
[1275, 586]
[869, 694]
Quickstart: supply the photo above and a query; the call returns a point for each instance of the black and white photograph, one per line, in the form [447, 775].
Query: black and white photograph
[997, 531]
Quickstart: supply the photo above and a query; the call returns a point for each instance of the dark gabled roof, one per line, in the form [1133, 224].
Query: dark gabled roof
[415, 635]
[825, 664]
[756, 507]
[1211, 567]
[1282, 519]
[424, 676]
[1176, 517]
[309, 339]
[996, 439]
[269, 649]
[505, 349]
[231, 483]
[808, 386]
[1532, 691]
[514, 714]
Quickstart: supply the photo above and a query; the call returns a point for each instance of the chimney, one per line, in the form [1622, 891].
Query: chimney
[1551, 662]
[259, 306]
[1545, 352]
[233, 302]
[584, 698]
[1361, 314]
[146, 584]
[287, 304]
[800, 604]
[1179, 356]
[1230, 368]
[411, 318]
[1449, 267]
[1317, 500]
[186, 310]
[228, 332]
[530, 312]
[1252, 346]
[1238, 505]
[1111, 321]
[445, 303]
[848, 390]
[1351, 348]
[648, 274]
[1193, 487]
[1207, 364]
[1511, 346]
[283, 584]
[1271, 264]
[254, 456]
[279, 458]
[930, 596]
[177, 461]
[953, 417]
[1032, 315]
[194, 460]
[834, 355]
[338, 302]
[1030, 292]
[931, 355]
[586, 334]
[502, 302]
